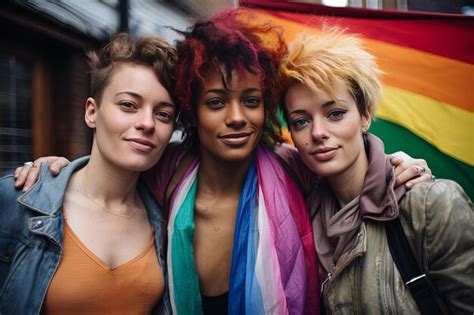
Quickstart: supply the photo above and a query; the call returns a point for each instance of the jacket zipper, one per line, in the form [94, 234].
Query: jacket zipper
[331, 276]
[328, 277]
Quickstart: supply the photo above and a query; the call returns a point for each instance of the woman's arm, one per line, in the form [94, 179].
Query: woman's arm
[407, 169]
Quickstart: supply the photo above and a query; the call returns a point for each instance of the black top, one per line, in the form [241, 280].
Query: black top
[214, 305]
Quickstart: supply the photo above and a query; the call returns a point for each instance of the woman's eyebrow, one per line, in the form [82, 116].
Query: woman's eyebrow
[133, 94]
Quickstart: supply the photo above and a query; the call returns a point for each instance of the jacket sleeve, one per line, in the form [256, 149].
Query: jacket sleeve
[440, 221]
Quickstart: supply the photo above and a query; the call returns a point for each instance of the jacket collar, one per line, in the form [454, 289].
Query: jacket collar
[47, 194]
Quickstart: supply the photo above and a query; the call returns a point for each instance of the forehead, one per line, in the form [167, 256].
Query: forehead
[138, 79]
[299, 94]
[239, 80]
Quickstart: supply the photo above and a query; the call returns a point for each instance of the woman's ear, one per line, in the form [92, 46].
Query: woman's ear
[90, 115]
[366, 120]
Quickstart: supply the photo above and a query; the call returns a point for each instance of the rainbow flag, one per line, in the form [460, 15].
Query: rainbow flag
[428, 104]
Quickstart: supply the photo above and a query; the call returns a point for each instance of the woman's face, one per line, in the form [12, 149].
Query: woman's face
[326, 131]
[134, 120]
[230, 119]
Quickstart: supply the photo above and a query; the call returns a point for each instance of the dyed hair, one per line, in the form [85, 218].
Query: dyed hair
[229, 41]
[319, 61]
[152, 52]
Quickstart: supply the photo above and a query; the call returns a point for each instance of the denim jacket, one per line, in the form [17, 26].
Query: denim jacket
[31, 238]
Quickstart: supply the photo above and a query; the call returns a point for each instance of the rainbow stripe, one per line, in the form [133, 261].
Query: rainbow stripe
[428, 60]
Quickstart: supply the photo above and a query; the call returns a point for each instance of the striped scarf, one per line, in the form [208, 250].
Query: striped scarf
[273, 261]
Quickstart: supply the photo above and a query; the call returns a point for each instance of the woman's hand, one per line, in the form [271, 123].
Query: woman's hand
[27, 175]
[411, 171]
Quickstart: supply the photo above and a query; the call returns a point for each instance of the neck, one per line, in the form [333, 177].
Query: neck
[222, 177]
[108, 183]
[348, 184]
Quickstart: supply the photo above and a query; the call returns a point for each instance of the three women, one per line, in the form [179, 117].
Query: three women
[239, 236]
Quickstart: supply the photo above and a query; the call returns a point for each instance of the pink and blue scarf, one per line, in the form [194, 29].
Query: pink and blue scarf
[274, 267]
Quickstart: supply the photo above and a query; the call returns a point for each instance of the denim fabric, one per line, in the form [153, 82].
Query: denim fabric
[31, 238]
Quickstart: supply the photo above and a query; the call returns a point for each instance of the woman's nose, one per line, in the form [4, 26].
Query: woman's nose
[235, 115]
[319, 131]
[146, 121]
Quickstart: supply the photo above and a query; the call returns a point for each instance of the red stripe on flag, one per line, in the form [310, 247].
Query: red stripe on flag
[448, 35]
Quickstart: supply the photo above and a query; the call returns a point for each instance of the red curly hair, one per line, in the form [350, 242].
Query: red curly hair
[230, 40]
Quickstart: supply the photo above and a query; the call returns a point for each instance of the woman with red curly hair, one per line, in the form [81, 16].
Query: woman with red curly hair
[239, 234]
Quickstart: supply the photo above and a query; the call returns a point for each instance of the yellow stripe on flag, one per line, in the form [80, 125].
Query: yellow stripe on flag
[446, 127]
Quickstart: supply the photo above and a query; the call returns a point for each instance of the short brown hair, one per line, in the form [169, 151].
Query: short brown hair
[149, 51]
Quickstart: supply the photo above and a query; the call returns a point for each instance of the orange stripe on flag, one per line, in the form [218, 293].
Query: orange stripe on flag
[437, 77]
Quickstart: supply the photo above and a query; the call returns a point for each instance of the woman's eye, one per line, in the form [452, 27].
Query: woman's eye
[215, 103]
[337, 114]
[299, 123]
[128, 105]
[252, 102]
[164, 116]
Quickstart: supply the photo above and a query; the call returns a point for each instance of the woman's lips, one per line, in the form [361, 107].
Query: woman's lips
[141, 145]
[235, 139]
[324, 154]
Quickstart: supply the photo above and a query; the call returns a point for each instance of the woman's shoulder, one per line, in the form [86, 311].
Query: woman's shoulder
[437, 219]
[287, 153]
[437, 213]
[12, 213]
[437, 195]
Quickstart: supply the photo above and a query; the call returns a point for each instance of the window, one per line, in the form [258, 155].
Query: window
[15, 113]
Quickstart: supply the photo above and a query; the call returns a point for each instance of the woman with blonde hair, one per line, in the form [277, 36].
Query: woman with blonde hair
[331, 90]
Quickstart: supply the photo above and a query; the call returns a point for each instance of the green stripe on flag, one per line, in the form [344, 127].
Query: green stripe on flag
[397, 138]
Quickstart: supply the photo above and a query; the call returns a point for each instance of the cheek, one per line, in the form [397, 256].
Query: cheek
[351, 133]
[110, 124]
[257, 118]
[301, 139]
[208, 125]
[164, 132]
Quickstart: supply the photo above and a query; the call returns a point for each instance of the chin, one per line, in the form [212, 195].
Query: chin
[235, 155]
[323, 169]
[139, 164]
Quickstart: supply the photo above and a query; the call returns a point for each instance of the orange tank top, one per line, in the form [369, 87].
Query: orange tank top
[83, 284]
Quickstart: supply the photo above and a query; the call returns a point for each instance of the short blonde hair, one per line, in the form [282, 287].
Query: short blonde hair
[320, 61]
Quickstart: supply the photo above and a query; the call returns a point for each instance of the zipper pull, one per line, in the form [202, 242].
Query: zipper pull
[328, 277]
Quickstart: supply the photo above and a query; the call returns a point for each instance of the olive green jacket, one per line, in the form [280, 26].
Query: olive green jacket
[438, 220]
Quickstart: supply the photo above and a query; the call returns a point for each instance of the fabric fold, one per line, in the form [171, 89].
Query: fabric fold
[274, 267]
